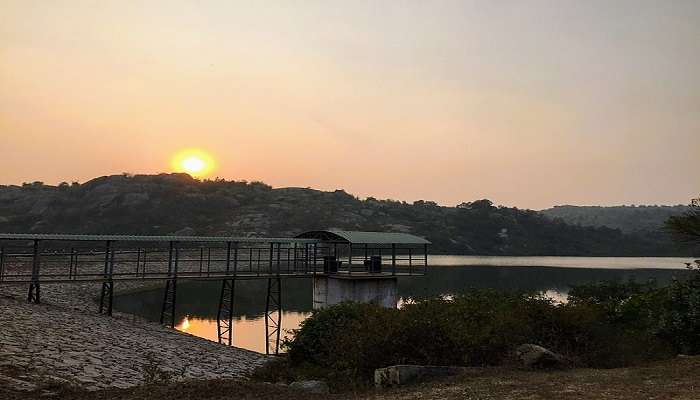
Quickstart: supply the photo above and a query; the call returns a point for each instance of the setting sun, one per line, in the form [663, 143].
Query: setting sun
[194, 162]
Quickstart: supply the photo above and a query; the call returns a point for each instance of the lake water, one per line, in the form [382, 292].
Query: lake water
[198, 301]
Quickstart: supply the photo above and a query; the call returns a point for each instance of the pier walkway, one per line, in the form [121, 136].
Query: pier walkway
[39, 259]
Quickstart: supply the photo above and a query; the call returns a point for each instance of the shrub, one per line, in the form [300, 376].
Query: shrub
[678, 319]
[603, 325]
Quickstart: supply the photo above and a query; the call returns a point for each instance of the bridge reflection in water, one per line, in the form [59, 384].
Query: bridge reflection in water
[247, 329]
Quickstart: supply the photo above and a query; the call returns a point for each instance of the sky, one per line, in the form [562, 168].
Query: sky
[527, 103]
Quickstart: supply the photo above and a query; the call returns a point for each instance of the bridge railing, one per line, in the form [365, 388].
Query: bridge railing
[395, 259]
[24, 261]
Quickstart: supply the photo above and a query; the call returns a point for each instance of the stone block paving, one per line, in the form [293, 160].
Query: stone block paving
[65, 340]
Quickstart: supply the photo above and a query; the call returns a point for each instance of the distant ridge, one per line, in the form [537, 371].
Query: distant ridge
[178, 204]
[628, 219]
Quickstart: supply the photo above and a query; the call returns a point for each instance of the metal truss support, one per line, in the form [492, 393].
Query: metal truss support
[167, 313]
[73, 265]
[107, 293]
[224, 316]
[273, 315]
[2, 263]
[106, 297]
[34, 295]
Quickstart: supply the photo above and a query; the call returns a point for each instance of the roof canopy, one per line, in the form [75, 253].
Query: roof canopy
[356, 237]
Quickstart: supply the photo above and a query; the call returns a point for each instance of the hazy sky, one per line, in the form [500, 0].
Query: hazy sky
[528, 103]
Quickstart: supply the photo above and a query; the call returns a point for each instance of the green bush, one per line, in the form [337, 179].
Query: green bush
[671, 314]
[602, 325]
[679, 316]
[347, 342]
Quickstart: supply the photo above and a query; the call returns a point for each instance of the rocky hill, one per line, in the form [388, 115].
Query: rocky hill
[626, 218]
[177, 203]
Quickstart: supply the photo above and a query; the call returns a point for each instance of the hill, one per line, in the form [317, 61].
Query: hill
[177, 203]
[628, 219]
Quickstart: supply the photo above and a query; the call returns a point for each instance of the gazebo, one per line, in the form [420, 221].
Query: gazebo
[364, 266]
[355, 252]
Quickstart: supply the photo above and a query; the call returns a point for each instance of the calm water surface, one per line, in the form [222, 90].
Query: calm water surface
[564, 262]
[198, 301]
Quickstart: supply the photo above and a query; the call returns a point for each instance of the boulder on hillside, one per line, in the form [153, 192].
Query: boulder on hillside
[534, 356]
[186, 231]
[41, 206]
[135, 199]
[366, 212]
[398, 228]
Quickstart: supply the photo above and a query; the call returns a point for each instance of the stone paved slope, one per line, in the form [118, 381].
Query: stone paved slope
[68, 341]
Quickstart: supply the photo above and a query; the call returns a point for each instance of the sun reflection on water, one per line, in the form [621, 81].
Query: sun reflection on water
[248, 332]
[184, 325]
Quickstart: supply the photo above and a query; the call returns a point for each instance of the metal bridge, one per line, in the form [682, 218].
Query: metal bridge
[38, 259]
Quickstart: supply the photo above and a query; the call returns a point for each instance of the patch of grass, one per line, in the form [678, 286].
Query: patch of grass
[671, 379]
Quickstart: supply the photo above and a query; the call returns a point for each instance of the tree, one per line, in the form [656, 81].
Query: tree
[686, 227]
[483, 204]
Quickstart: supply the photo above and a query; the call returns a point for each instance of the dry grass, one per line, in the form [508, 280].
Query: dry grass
[676, 379]
[673, 379]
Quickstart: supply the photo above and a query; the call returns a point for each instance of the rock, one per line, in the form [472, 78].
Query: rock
[232, 202]
[105, 188]
[318, 387]
[102, 201]
[135, 199]
[39, 226]
[186, 231]
[17, 384]
[404, 374]
[398, 228]
[41, 206]
[534, 356]
[10, 193]
[366, 212]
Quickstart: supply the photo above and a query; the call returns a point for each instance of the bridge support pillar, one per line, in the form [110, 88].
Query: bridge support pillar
[273, 315]
[34, 294]
[106, 298]
[224, 316]
[167, 313]
[107, 293]
[336, 288]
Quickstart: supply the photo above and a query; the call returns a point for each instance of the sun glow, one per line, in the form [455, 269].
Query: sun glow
[184, 325]
[194, 162]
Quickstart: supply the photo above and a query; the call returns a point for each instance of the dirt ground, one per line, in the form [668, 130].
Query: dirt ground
[673, 379]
